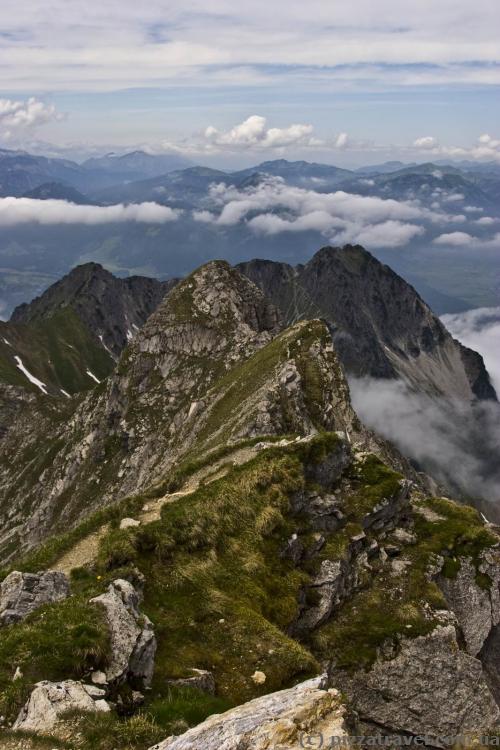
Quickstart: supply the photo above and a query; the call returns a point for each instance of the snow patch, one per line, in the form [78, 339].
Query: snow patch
[7, 342]
[65, 392]
[130, 335]
[101, 339]
[91, 375]
[31, 378]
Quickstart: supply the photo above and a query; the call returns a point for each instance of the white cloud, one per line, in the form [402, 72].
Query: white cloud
[18, 115]
[15, 211]
[454, 238]
[426, 142]
[486, 148]
[254, 133]
[342, 141]
[273, 207]
[479, 329]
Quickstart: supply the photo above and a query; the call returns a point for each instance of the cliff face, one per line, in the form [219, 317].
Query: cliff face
[380, 325]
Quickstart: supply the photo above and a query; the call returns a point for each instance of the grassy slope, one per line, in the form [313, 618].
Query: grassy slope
[57, 351]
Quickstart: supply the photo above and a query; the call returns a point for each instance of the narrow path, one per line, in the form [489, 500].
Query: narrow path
[86, 550]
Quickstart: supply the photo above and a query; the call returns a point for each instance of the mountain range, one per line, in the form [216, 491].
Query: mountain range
[457, 201]
[203, 543]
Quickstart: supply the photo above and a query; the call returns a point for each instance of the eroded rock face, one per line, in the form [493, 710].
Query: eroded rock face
[431, 687]
[50, 700]
[477, 609]
[23, 593]
[281, 721]
[133, 642]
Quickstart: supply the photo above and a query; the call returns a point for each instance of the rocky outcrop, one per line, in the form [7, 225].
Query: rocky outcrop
[282, 720]
[429, 688]
[133, 642]
[50, 701]
[477, 608]
[23, 593]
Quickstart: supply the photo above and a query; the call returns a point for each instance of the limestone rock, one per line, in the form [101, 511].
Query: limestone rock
[431, 687]
[129, 523]
[133, 642]
[23, 593]
[281, 721]
[50, 700]
[201, 680]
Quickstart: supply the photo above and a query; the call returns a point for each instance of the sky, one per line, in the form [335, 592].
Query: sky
[348, 82]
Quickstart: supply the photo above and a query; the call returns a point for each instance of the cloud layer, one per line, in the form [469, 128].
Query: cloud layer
[119, 45]
[15, 211]
[458, 445]
[273, 207]
[479, 329]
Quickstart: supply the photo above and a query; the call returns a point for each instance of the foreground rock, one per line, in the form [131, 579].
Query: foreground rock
[282, 721]
[133, 642]
[49, 701]
[23, 593]
[431, 687]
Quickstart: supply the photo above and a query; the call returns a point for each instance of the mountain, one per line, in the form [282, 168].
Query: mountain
[380, 325]
[135, 165]
[111, 308]
[210, 549]
[21, 172]
[57, 191]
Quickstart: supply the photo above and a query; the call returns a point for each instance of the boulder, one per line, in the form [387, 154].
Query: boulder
[50, 700]
[133, 642]
[283, 721]
[23, 593]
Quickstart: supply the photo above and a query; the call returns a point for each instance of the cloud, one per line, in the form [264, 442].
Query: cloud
[486, 148]
[274, 207]
[459, 239]
[463, 239]
[254, 133]
[425, 143]
[14, 211]
[18, 116]
[107, 46]
[479, 329]
[455, 443]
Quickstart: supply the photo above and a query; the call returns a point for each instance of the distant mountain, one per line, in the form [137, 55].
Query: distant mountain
[21, 172]
[58, 191]
[136, 165]
[300, 173]
[111, 308]
[385, 168]
[185, 188]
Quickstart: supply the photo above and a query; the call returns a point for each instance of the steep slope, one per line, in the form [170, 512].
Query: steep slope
[380, 325]
[57, 355]
[110, 307]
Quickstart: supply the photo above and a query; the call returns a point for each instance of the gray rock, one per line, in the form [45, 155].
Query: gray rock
[477, 609]
[280, 721]
[430, 687]
[49, 701]
[23, 593]
[201, 680]
[133, 642]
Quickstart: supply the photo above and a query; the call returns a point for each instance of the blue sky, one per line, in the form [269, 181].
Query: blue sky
[343, 82]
